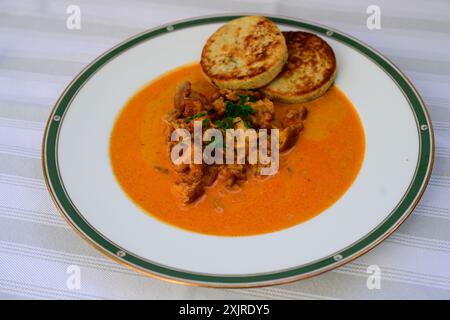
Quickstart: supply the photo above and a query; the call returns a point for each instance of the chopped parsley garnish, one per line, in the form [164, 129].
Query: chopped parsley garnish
[232, 110]
[243, 99]
[237, 110]
[226, 123]
[248, 123]
[195, 116]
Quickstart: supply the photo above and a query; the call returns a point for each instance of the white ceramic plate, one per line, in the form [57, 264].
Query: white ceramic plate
[395, 171]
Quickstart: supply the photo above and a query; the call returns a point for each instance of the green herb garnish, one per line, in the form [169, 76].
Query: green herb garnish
[243, 99]
[238, 110]
[226, 123]
[195, 116]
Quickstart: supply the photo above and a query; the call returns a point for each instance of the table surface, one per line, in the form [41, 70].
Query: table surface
[38, 58]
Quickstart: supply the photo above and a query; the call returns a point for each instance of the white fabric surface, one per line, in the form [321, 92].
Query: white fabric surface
[38, 58]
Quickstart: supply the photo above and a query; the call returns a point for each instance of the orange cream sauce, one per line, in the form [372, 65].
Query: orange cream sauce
[312, 176]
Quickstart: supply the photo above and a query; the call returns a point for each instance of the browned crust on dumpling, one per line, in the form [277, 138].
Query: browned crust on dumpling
[245, 53]
[309, 71]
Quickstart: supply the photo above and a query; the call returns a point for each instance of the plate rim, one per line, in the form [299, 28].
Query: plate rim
[398, 215]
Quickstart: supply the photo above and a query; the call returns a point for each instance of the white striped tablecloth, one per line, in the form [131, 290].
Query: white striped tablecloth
[38, 58]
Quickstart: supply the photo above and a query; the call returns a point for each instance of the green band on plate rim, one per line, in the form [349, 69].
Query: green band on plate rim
[390, 224]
